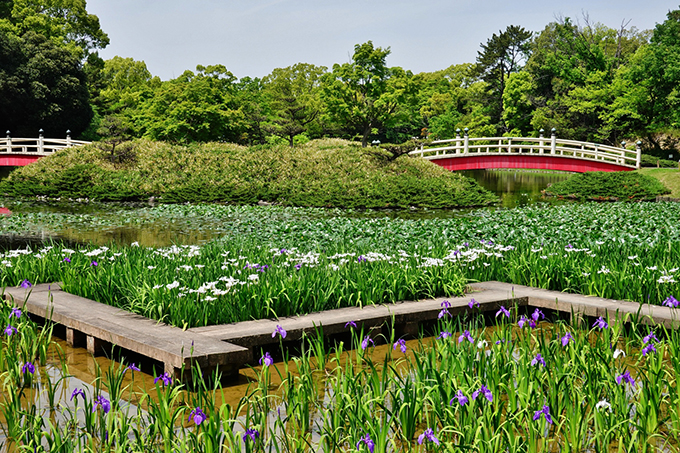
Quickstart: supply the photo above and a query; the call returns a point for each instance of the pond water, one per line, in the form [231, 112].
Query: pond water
[105, 223]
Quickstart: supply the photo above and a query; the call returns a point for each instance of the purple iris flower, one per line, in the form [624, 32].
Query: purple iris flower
[77, 392]
[648, 349]
[252, 433]
[280, 330]
[462, 399]
[66, 260]
[28, 366]
[443, 313]
[625, 378]
[566, 339]
[198, 416]
[94, 264]
[132, 367]
[103, 402]
[165, 377]
[9, 330]
[366, 439]
[365, 341]
[15, 312]
[600, 323]
[361, 259]
[402, 345]
[266, 359]
[446, 304]
[503, 311]
[545, 412]
[523, 320]
[351, 324]
[25, 284]
[473, 303]
[671, 302]
[443, 335]
[650, 336]
[537, 314]
[483, 391]
[283, 251]
[429, 435]
[466, 336]
[538, 359]
[298, 266]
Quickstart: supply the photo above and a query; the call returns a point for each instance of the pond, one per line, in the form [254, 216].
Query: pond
[105, 223]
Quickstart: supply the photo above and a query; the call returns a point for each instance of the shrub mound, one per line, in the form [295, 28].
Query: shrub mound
[614, 186]
[321, 173]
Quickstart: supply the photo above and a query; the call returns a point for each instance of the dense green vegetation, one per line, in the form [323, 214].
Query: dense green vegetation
[613, 186]
[321, 259]
[589, 81]
[328, 173]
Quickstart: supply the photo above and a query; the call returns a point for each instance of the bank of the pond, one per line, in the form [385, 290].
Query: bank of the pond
[669, 177]
[323, 173]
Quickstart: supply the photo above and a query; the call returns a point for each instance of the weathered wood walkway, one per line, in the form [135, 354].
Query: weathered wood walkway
[228, 347]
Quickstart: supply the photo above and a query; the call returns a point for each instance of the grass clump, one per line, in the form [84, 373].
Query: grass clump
[321, 173]
[613, 186]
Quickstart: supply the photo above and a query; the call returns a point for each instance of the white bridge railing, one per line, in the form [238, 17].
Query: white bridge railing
[466, 146]
[40, 146]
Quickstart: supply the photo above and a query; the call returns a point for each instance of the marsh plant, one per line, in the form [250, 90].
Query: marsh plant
[521, 384]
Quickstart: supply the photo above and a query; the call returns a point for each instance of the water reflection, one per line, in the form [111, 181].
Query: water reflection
[516, 187]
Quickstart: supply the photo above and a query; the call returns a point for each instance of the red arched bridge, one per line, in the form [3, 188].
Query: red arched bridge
[17, 152]
[473, 153]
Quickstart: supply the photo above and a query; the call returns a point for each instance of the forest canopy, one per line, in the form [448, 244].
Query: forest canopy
[587, 80]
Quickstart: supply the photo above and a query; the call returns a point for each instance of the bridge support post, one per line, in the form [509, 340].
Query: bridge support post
[553, 140]
[41, 141]
[9, 143]
[638, 157]
[68, 139]
[457, 141]
[467, 141]
[541, 142]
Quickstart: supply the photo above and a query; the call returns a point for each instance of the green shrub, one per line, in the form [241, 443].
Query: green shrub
[623, 186]
[319, 173]
[647, 160]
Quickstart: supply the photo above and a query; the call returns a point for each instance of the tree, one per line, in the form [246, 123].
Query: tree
[649, 97]
[65, 22]
[42, 86]
[293, 94]
[193, 107]
[502, 55]
[364, 94]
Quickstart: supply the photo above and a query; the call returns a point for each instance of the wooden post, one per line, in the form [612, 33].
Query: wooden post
[41, 141]
[458, 141]
[623, 154]
[638, 157]
[9, 143]
[467, 141]
[510, 145]
[553, 140]
[541, 142]
[68, 138]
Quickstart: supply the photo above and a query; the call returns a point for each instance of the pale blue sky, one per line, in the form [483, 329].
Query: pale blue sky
[252, 37]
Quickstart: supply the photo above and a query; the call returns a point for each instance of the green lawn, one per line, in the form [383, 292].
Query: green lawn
[670, 177]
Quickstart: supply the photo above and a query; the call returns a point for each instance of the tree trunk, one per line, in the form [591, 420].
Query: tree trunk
[290, 140]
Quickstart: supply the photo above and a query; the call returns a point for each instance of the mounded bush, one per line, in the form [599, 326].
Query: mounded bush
[621, 186]
[320, 173]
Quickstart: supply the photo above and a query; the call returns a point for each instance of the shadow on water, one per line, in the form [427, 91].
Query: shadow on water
[516, 187]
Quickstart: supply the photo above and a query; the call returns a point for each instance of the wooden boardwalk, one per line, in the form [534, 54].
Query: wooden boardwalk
[228, 347]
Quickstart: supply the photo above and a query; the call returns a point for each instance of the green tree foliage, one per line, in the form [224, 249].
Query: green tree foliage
[502, 55]
[572, 70]
[65, 22]
[42, 86]
[647, 98]
[365, 94]
[293, 94]
[193, 107]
